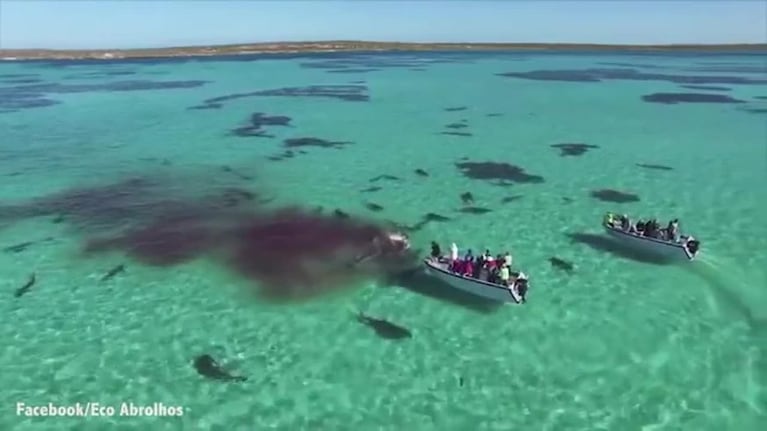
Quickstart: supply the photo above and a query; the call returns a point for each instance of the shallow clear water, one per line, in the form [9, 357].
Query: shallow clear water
[618, 344]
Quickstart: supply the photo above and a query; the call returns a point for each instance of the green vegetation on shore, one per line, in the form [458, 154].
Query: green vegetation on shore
[330, 46]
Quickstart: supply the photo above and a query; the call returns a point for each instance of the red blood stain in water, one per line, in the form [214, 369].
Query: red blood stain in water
[289, 253]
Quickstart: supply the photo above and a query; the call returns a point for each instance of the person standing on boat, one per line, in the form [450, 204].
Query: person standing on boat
[625, 223]
[608, 220]
[507, 259]
[453, 252]
[479, 263]
[673, 230]
[487, 257]
[436, 252]
[469, 257]
[505, 274]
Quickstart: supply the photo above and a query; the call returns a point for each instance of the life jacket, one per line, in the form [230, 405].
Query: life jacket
[505, 275]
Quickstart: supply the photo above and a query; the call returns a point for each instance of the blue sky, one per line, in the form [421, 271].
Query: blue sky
[68, 24]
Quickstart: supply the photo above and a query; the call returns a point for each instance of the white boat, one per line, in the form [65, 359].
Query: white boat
[496, 292]
[686, 247]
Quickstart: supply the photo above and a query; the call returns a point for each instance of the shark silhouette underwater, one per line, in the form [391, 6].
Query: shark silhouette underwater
[207, 366]
[384, 328]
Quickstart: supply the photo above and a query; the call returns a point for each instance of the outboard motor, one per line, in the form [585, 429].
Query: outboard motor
[692, 246]
[521, 285]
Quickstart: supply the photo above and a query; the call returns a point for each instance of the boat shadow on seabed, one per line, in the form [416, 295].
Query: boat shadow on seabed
[417, 281]
[609, 245]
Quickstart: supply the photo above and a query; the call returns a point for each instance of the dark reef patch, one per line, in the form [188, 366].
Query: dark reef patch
[706, 87]
[421, 173]
[655, 167]
[630, 65]
[674, 98]
[24, 102]
[100, 74]
[36, 95]
[732, 68]
[456, 108]
[257, 122]
[599, 75]
[754, 110]
[494, 114]
[574, 149]
[349, 93]
[22, 81]
[760, 97]
[371, 189]
[503, 172]
[616, 196]
[18, 75]
[457, 126]
[373, 206]
[352, 61]
[465, 134]
[314, 142]
[353, 70]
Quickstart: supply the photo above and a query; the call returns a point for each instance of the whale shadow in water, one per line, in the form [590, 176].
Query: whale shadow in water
[608, 245]
[257, 122]
[417, 281]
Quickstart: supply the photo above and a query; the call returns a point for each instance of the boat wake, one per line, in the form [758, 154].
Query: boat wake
[729, 286]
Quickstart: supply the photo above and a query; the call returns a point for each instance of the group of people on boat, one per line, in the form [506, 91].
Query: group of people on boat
[650, 228]
[484, 267]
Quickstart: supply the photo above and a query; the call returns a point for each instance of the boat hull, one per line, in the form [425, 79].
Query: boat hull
[476, 287]
[668, 250]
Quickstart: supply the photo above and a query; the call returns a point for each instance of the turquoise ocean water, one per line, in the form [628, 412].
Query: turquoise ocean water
[619, 343]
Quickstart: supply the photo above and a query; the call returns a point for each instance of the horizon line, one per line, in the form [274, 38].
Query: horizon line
[397, 43]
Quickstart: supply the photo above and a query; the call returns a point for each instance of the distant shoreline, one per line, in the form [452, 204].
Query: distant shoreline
[352, 46]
